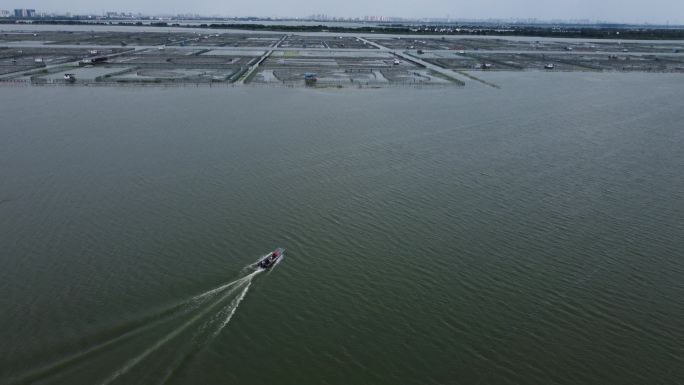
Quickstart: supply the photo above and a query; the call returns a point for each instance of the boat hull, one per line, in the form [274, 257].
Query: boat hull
[271, 259]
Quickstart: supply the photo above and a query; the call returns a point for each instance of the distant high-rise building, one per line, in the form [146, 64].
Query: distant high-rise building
[4, 13]
[24, 13]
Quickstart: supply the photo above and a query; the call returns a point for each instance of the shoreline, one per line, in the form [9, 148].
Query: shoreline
[599, 32]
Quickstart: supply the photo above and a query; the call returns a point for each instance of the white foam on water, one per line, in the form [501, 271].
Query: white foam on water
[253, 267]
[168, 337]
[180, 308]
[199, 340]
[136, 360]
[175, 311]
[233, 307]
[219, 289]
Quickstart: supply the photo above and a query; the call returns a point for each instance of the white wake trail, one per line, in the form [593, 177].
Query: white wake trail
[182, 307]
[136, 360]
[233, 307]
[230, 309]
[221, 288]
[254, 270]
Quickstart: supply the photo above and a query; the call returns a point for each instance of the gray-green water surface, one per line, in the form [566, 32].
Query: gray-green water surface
[531, 234]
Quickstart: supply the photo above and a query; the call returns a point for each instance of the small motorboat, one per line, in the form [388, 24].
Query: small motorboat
[310, 78]
[271, 258]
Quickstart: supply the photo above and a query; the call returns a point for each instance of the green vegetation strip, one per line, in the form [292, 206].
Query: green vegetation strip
[602, 31]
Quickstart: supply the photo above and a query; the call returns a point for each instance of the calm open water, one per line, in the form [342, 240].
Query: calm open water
[528, 235]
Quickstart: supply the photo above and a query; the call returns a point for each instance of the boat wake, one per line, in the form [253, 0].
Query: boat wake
[231, 308]
[200, 318]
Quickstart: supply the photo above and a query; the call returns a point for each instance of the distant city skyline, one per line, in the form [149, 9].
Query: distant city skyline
[654, 12]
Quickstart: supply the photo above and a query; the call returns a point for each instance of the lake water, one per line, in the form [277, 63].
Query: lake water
[531, 234]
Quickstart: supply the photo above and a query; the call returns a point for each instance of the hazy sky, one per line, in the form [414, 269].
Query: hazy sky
[652, 11]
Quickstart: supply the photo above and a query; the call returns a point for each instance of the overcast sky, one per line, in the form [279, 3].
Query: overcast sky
[652, 11]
